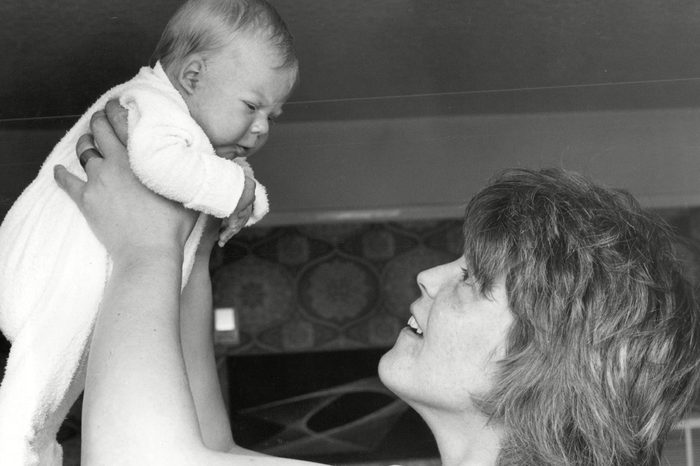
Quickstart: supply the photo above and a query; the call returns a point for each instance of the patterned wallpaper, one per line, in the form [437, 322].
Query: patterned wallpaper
[347, 285]
[327, 287]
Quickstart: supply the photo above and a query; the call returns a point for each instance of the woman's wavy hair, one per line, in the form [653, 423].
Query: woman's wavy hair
[603, 353]
[201, 26]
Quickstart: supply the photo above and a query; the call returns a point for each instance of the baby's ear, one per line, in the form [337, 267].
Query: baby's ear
[190, 73]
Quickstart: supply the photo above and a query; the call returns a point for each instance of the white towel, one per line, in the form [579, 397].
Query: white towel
[53, 270]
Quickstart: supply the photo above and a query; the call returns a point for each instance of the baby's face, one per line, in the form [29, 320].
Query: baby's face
[238, 94]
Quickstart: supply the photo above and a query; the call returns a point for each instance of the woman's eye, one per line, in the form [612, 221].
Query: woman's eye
[272, 119]
[251, 107]
[465, 274]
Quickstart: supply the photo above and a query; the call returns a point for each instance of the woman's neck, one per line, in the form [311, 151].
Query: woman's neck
[464, 439]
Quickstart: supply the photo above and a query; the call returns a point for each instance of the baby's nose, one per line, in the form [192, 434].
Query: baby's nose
[260, 125]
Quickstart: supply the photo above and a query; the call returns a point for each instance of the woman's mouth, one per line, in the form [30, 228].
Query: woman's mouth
[412, 324]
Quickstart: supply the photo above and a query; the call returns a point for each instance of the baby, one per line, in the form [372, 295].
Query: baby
[224, 70]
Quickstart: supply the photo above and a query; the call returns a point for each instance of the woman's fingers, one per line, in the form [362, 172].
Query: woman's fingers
[70, 183]
[117, 116]
[105, 138]
[86, 151]
[89, 157]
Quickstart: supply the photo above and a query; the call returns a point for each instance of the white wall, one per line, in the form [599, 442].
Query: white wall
[429, 167]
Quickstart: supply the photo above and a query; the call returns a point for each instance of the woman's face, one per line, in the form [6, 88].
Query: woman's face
[448, 350]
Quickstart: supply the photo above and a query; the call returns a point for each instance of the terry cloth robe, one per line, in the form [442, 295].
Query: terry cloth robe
[53, 269]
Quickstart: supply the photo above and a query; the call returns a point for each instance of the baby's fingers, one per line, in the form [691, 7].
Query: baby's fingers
[228, 233]
[233, 225]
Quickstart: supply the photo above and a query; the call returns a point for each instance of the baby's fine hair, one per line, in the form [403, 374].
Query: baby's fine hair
[201, 26]
[603, 354]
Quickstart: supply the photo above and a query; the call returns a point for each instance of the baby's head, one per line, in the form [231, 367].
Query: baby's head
[233, 62]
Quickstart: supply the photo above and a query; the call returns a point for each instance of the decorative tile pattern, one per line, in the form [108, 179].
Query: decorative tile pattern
[327, 287]
[338, 289]
[261, 291]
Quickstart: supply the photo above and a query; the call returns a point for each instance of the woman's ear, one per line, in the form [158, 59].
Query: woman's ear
[190, 73]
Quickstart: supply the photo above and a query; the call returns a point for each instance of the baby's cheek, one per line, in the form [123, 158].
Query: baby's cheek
[262, 139]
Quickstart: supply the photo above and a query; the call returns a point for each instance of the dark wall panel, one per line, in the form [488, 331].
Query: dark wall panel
[59, 56]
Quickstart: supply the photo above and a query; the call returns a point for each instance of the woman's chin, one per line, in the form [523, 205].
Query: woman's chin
[390, 372]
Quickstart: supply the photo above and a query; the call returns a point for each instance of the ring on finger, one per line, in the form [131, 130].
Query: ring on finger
[87, 154]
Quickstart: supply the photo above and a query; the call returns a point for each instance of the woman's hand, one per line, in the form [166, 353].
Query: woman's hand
[126, 217]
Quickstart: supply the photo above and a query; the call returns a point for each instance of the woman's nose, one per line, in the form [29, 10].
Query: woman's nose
[431, 280]
[428, 281]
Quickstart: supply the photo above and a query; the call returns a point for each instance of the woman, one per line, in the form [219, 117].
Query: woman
[565, 335]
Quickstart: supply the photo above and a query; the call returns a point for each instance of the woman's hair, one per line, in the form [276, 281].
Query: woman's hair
[602, 356]
[201, 26]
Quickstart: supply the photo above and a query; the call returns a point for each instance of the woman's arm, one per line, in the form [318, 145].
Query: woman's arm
[196, 325]
[138, 406]
[197, 336]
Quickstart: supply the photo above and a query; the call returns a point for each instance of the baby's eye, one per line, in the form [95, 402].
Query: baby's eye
[272, 119]
[251, 107]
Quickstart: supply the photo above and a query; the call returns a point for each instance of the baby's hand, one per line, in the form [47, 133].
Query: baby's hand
[233, 224]
[243, 211]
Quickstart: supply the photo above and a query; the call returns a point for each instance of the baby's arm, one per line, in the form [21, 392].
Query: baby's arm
[171, 155]
[241, 214]
[251, 207]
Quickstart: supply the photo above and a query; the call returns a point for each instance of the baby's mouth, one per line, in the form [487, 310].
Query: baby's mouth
[241, 151]
[234, 152]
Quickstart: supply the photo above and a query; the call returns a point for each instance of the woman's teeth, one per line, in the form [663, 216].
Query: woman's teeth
[413, 325]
